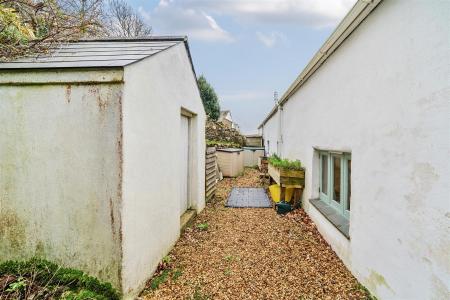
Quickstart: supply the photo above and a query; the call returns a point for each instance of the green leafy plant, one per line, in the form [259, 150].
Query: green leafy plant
[285, 164]
[203, 226]
[18, 285]
[176, 274]
[52, 281]
[166, 259]
[160, 279]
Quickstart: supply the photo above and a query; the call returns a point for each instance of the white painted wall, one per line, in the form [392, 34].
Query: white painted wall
[59, 169]
[155, 91]
[384, 96]
[270, 133]
[89, 165]
[251, 156]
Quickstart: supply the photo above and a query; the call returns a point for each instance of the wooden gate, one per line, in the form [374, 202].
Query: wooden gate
[210, 173]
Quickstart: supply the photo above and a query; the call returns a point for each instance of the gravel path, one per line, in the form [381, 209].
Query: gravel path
[251, 253]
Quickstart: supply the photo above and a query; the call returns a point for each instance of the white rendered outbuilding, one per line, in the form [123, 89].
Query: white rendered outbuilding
[101, 152]
[369, 118]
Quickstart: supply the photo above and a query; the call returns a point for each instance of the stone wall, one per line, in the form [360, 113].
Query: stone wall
[217, 132]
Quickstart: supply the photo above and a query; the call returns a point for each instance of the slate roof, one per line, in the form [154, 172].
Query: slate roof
[97, 53]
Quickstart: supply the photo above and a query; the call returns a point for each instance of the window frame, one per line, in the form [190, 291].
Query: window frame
[339, 207]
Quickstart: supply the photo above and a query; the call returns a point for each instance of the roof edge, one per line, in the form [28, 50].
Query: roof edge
[162, 38]
[349, 23]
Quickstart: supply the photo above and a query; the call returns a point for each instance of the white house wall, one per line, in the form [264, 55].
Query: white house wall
[384, 97]
[59, 169]
[155, 91]
[270, 134]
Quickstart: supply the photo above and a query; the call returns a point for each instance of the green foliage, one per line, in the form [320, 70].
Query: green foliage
[203, 226]
[160, 279]
[222, 144]
[73, 283]
[368, 295]
[209, 98]
[176, 274]
[230, 258]
[198, 295]
[286, 164]
[29, 27]
[166, 259]
[18, 285]
[14, 30]
[81, 295]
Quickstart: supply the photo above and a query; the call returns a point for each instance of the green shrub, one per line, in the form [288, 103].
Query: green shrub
[222, 144]
[160, 279]
[64, 283]
[286, 164]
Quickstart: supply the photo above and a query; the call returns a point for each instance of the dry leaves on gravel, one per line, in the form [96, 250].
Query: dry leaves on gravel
[252, 254]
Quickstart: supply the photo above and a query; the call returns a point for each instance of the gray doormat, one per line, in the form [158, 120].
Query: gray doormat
[248, 197]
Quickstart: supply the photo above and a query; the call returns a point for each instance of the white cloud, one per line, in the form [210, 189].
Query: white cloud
[270, 39]
[316, 13]
[198, 18]
[171, 18]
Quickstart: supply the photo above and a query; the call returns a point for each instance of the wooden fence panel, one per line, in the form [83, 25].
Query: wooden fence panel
[210, 173]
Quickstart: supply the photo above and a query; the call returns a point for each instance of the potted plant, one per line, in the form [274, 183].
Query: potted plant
[286, 172]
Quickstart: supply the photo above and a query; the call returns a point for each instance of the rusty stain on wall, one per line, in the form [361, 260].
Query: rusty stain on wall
[68, 93]
[120, 182]
[102, 103]
[111, 215]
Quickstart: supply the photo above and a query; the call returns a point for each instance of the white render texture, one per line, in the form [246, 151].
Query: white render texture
[157, 88]
[89, 165]
[270, 132]
[59, 171]
[384, 96]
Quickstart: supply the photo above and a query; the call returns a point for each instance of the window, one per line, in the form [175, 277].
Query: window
[335, 183]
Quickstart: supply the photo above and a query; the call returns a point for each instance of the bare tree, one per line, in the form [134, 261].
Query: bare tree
[123, 21]
[35, 26]
[88, 13]
[30, 26]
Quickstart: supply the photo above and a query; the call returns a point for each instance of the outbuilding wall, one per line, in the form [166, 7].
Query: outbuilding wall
[156, 91]
[60, 168]
[384, 97]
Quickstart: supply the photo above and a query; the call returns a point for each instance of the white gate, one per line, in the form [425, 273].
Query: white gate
[184, 163]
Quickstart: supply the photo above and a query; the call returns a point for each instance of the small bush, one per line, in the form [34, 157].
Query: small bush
[48, 280]
[222, 144]
[159, 279]
[286, 164]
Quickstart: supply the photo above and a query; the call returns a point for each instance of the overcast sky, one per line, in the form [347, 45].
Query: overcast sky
[247, 49]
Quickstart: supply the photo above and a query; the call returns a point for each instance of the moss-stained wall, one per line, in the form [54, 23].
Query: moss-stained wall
[60, 174]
